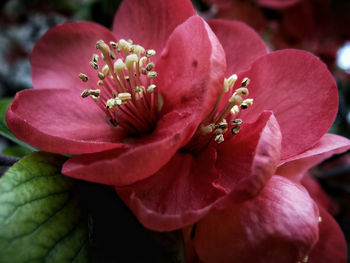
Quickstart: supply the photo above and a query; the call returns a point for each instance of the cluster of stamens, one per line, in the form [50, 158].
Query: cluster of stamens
[125, 92]
[228, 118]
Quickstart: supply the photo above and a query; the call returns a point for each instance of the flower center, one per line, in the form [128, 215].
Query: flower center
[215, 126]
[125, 92]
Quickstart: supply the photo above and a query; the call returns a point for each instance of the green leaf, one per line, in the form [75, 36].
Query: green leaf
[41, 219]
[4, 130]
[16, 151]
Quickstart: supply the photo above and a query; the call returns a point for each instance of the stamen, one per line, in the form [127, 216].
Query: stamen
[90, 92]
[94, 65]
[235, 129]
[83, 77]
[150, 66]
[245, 82]
[151, 88]
[150, 53]
[152, 74]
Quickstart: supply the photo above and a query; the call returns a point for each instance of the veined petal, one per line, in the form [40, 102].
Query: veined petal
[191, 69]
[300, 91]
[64, 52]
[278, 225]
[150, 22]
[60, 121]
[241, 43]
[247, 161]
[173, 197]
[328, 145]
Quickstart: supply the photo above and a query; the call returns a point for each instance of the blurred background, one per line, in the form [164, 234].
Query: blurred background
[319, 26]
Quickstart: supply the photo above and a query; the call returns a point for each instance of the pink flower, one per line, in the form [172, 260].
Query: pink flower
[174, 146]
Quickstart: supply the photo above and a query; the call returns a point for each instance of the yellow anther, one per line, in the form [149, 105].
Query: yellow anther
[152, 74]
[119, 65]
[113, 44]
[101, 75]
[130, 60]
[235, 129]
[103, 47]
[245, 82]
[94, 58]
[90, 92]
[236, 122]
[151, 88]
[111, 54]
[235, 99]
[150, 53]
[83, 77]
[242, 91]
[219, 138]
[246, 103]
[94, 65]
[150, 66]
[124, 97]
[105, 70]
[234, 110]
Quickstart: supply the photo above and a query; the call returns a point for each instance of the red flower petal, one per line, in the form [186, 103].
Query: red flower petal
[61, 121]
[64, 52]
[328, 145]
[300, 91]
[191, 69]
[241, 43]
[279, 225]
[247, 161]
[173, 197]
[187, 98]
[331, 246]
[149, 23]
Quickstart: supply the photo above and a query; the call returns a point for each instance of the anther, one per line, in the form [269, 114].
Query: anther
[112, 103]
[150, 66]
[245, 82]
[152, 74]
[219, 138]
[139, 89]
[83, 77]
[236, 122]
[100, 82]
[90, 92]
[113, 44]
[111, 54]
[103, 47]
[105, 70]
[235, 99]
[242, 91]
[234, 110]
[124, 97]
[101, 75]
[222, 125]
[151, 88]
[235, 129]
[94, 65]
[218, 131]
[94, 58]
[143, 71]
[150, 53]
[306, 259]
[319, 219]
